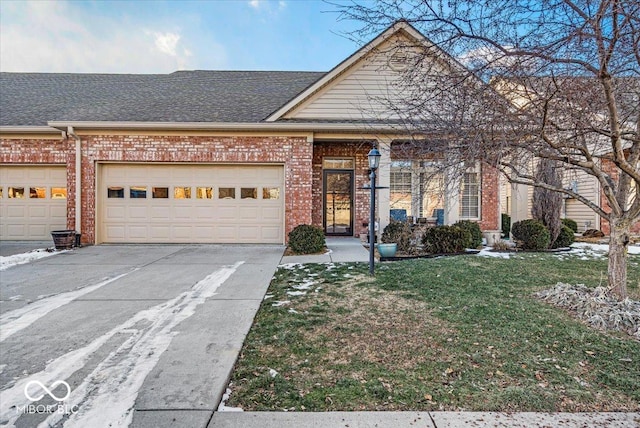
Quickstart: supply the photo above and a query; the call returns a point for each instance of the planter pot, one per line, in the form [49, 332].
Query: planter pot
[63, 239]
[387, 250]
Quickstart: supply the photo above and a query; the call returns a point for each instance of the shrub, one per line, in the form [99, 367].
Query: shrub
[506, 225]
[501, 246]
[398, 232]
[571, 224]
[531, 234]
[306, 239]
[474, 231]
[565, 238]
[445, 239]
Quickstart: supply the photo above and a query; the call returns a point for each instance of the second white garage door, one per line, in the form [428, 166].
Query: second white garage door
[143, 203]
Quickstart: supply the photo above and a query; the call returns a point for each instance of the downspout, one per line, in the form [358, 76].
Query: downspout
[78, 174]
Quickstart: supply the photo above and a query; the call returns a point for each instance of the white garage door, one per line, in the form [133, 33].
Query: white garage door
[145, 203]
[33, 201]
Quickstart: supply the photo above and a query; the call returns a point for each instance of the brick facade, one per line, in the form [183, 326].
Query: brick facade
[490, 192]
[295, 153]
[612, 170]
[302, 160]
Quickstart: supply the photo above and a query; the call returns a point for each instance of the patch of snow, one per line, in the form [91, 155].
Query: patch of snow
[18, 259]
[292, 311]
[307, 284]
[280, 303]
[273, 373]
[268, 296]
[296, 293]
[486, 252]
[223, 403]
[109, 392]
[291, 266]
[18, 319]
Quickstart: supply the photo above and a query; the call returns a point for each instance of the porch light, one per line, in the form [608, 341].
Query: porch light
[374, 158]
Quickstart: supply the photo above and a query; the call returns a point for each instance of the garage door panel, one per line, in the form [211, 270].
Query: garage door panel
[115, 233]
[192, 219]
[38, 212]
[138, 212]
[32, 218]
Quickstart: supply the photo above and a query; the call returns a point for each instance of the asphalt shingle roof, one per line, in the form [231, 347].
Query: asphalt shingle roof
[33, 99]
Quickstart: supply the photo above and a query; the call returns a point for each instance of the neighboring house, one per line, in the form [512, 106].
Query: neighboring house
[217, 156]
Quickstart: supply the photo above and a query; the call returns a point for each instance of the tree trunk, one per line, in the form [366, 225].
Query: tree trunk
[617, 271]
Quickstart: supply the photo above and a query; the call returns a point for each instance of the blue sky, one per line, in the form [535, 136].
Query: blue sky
[149, 36]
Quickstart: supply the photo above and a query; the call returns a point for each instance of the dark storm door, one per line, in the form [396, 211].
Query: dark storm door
[338, 202]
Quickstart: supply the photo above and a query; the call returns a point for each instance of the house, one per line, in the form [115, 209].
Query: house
[219, 156]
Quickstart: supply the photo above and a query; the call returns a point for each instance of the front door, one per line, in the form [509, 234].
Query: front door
[338, 202]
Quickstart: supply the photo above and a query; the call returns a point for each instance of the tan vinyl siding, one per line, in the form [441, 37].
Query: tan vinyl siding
[576, 210]
[360, 92]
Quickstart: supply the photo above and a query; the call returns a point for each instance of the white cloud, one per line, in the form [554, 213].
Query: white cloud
[60, 36]
[255, 4]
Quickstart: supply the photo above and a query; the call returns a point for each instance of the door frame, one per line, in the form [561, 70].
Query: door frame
[325, 173]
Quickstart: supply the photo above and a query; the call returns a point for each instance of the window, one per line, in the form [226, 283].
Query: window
[347, 163]
[159, 193]
[204, 192]
[227, 193]
[58, 193]
[182, 192]
[37, 192]
[400, 195]
[249, 193]
[431, 193]
[270, 193]
[138, 192]
[16, 192]
[115, 192]
[470, 196]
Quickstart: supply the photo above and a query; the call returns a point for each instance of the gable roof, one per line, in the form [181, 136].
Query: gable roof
[33, 99]
[350, 67]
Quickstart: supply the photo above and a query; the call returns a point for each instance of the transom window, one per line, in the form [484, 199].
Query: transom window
[338, 163]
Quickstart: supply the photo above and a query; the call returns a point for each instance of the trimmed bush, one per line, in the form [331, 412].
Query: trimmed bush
[531, 235]
[445, 239]
[571, 224]
[306, 239]
[506, 225]
[565, 238]
[474, 231]
[398, 232]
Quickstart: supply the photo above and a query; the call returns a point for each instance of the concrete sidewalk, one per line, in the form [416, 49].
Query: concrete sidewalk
[423, 420]
[341, 249]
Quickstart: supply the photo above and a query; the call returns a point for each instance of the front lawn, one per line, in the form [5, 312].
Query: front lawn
[452, 333]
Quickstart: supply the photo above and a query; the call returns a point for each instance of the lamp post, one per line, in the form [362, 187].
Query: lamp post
[374, 162]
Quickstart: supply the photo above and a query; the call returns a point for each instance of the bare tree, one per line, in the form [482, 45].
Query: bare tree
[569, 71]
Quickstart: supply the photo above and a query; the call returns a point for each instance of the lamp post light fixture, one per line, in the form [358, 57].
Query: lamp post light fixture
[374, 163]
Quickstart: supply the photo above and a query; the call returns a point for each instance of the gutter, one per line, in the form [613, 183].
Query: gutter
[232, 126]
[29, 130]
[78, 174]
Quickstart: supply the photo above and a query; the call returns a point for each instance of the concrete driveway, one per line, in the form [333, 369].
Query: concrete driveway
[146, 335]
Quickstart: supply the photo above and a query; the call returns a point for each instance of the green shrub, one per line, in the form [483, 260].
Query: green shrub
[565, 238]
[445, 239]
[398, 232]
[306, 239]
[474, 231]
[571, 224]
[531, 235]
[506, 225]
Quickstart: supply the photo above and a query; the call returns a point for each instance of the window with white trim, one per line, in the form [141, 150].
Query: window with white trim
[400, 189]
[470, 196]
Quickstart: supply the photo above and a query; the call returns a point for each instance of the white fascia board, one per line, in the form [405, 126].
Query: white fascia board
[29, 130]
[228, 126]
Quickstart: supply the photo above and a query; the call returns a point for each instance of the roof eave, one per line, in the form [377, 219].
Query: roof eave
[29, 130]
[227, 126]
